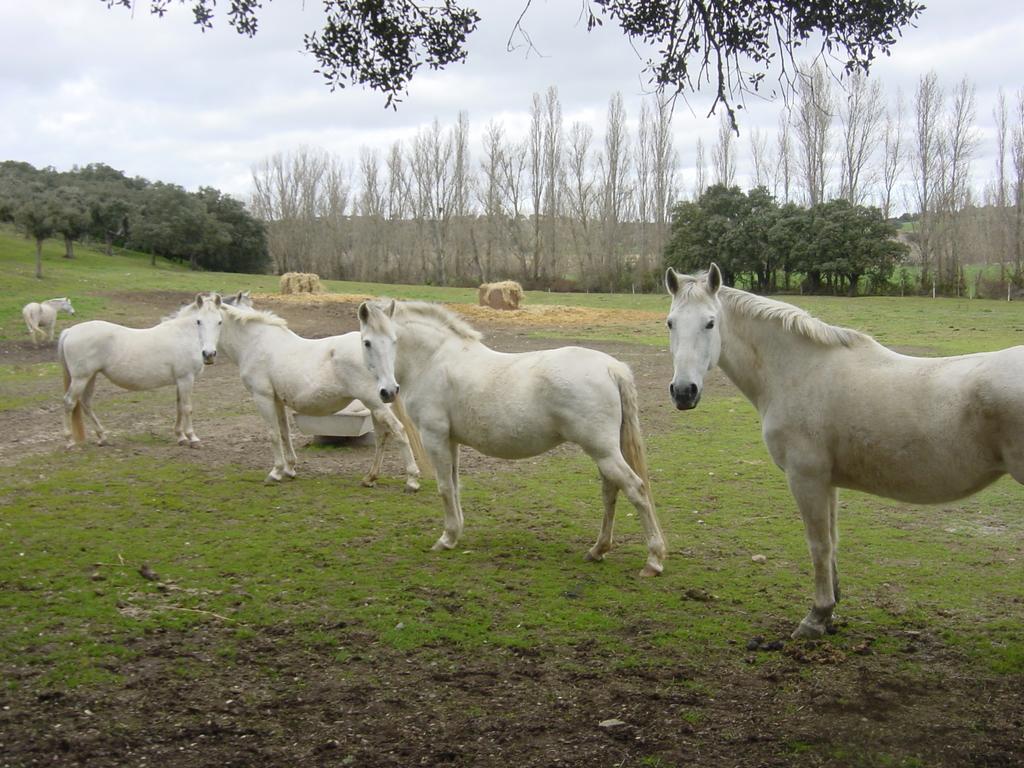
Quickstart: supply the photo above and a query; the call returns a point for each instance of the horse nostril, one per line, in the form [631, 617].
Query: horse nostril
[692, 390]
[672, 389]
[385, 395]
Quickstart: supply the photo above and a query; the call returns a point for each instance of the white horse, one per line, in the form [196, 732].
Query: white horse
[41, 317]
[311, 376]
[839, 410]
[172, 352]
[512, 406]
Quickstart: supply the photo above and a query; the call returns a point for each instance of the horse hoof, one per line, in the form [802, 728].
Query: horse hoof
[271, 479]
[441, 546]
[805, 630]
[194, 443]
[650, 571]
[367, 483]
[182, 441]
[595, 557]
[412, 487]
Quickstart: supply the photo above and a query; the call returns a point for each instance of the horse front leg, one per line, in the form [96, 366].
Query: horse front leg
[183, 424]
[393, 428]
[445, 456]
[266, 405]
[815, 499]
[833, 534]
[381, 432]
[603, 545]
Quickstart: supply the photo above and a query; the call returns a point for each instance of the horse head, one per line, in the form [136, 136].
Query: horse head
[65, 304]
[240, 299]
[208, 321]
[695, 339]
[380, 342]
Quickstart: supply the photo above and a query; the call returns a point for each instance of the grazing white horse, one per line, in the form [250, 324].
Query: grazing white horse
[172, 352]
[839, 410]
[513, 406]
[240, 299]
[41, 317]
[311, 376]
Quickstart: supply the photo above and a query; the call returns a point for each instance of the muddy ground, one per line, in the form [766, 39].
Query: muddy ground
[283, 703]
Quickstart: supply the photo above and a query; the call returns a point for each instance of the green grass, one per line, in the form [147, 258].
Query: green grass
[324, 552]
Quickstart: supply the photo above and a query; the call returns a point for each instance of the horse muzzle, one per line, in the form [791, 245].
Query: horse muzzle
[685, 397]
[209, 358]
[388, 395]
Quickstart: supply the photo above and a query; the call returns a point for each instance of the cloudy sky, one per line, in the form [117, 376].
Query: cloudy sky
[157, 98]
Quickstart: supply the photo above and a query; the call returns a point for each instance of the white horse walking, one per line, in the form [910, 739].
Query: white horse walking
[41, 317]
[512, 406]
[839, 410]
[172, 352]
[311, 376]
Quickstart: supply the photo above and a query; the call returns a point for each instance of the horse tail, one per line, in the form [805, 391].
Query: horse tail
[631, 439]
[413, 435]
[77, 422]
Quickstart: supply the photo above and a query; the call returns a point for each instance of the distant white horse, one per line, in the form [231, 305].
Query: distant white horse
[41, 317]
[240, 299]
[172, 352]
[311, 376]
[513, 406]
[839, 410]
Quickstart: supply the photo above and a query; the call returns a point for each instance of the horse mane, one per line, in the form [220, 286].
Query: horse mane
[793, 319]
[244, 315]
[433, 315]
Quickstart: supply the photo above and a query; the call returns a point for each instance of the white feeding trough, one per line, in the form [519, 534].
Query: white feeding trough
[351, 421]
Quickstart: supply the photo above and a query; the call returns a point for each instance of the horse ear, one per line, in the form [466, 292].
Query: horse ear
[199, 299]
[216, 299]
[714, 278]
[391, 308]
[364, 313]
[671, 281]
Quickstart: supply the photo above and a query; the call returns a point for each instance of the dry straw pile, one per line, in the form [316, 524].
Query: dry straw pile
[300, 282]
[504, 295]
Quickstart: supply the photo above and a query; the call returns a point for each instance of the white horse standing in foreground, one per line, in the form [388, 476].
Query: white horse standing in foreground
[512, 406]
[172, 352]
[311, 376]
[839, 410]
[41, 317]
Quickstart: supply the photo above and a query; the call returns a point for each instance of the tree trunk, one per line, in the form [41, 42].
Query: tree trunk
[69, 248]
[39, 259]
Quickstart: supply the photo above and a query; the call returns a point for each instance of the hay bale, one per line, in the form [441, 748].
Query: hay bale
[502, 295]
[300, 282]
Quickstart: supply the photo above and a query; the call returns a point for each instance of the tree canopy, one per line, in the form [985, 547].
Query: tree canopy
[206, 229]
[833, 245]
[729, 45]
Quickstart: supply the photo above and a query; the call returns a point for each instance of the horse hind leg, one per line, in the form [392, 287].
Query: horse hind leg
[603, 545]
[615, 469]
[86, 405]
[284, 428]
[833, 531]
[265, 405]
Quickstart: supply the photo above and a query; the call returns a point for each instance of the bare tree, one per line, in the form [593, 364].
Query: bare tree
[783, 177]
[582, 202]
[860, 116]
[615, 190]
[892, 153]
[927, 140]
[701, 181]
[723, 154]
[813, 123]
[761, 158]
[1001, 239]
[957, 152]
[553, 146]
[1017, 185]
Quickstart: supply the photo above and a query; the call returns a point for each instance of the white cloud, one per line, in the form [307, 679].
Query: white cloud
[80, 83]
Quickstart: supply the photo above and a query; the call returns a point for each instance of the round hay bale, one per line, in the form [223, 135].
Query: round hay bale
[300, 282]
[501, 295]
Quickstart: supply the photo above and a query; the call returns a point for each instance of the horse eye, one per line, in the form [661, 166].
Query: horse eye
[710, 325]
[669, 324]
[366, 344]
[199, 322]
